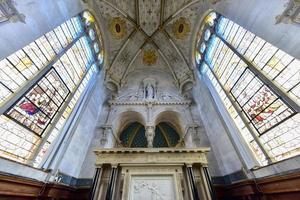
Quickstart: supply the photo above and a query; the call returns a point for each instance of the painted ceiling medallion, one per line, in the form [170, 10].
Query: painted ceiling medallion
[118, 27]
[149, 57]
[181, 28]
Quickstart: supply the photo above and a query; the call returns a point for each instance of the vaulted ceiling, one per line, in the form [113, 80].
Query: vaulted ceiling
[148, 34]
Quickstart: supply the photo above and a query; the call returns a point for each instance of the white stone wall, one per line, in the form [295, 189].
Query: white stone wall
[259, 17]
[226, 156]
[41, 17]
[83, 132]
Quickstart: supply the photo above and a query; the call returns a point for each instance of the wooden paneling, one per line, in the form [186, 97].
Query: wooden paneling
[18, 188]
[284, 187]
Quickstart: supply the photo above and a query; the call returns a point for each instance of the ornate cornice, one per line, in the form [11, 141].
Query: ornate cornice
[187, 102]
[151, 156]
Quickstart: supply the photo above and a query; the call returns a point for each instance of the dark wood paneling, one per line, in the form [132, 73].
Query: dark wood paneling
[18, 188]
[283, 187]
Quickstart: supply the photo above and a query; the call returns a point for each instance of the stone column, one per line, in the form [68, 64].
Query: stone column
[150, 133]
[208, 183]
[112, 183]
[94, 193]
[191, 179]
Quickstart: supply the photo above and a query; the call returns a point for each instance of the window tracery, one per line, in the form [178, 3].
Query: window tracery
[65, 61]
[258, 84]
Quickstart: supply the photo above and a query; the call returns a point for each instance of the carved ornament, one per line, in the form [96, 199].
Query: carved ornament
[181, 28]
[118, 28]
[291, 14]
[149, 57]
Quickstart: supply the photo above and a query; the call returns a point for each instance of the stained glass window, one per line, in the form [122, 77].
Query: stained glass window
[247, 72]
[36, 109]
[58, 67]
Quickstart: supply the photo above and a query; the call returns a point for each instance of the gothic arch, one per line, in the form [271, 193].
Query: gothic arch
[171, 117]
[125, 118]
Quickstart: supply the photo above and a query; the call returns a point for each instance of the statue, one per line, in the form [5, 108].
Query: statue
[150, 132]
[149, 91]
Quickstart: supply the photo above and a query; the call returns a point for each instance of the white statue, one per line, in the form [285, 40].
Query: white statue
[150, 132]
[149, 91]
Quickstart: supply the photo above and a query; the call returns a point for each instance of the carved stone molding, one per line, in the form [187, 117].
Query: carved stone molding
[8, 12]
[194, 131]
[105, 131]
[291, 14]
[214, 1]
[151, 156]
[112, 102]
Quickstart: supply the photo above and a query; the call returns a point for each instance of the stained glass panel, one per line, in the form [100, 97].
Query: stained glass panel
[40, 104]
[267, 115]
[273, 62]
[34, 121]
[16, 142]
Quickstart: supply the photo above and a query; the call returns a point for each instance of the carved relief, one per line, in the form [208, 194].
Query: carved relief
[181, 28]
[118, 28]
[152, 187]
[291, 14]
[8, 12]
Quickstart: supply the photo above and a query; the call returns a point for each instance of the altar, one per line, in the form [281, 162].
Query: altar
[151, 174]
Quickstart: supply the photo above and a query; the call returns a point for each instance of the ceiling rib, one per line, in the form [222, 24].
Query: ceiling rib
[117, 9]
[128, 66]
[162, 11]
[149, 39]
[132, 21]
[179, 11]
[169, 66]
[137, 12]
[122, 47]
[176, 48]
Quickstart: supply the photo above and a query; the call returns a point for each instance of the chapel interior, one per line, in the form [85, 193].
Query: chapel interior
[150, 99]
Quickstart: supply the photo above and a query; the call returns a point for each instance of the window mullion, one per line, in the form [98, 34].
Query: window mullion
[263, 78]
[36, 77]
[59, 113]
[241, 114]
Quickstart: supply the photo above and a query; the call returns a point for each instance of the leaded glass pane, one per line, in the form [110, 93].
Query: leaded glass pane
[273, 62]
[266, 115]
[36, 109]
[15, 141]
[35, 119]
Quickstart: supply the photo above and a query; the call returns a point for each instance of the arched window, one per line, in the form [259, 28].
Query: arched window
[258, 83]
[42, 83]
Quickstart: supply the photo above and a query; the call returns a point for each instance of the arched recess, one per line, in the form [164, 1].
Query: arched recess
[165, 135]
[124, 119]
[173, 118]
[133, 135]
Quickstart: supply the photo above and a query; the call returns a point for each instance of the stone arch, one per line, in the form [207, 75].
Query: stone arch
[173, 118]
[125, 118]
[133, 135]
[196, 34]
[165, 135]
